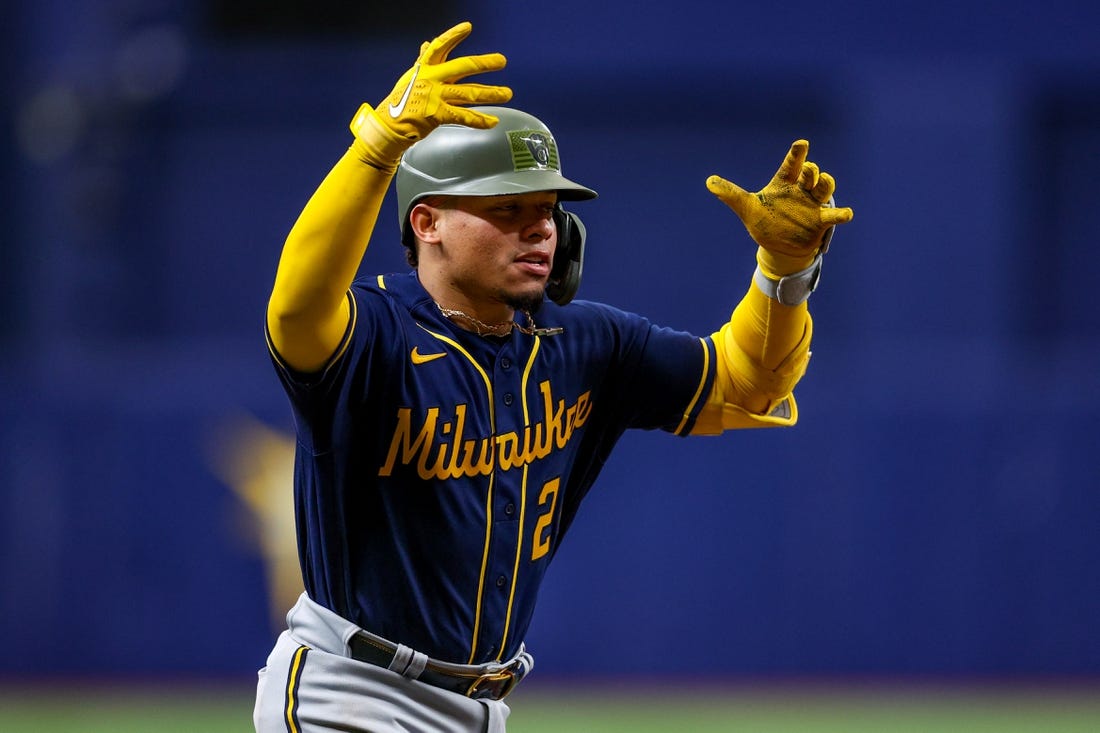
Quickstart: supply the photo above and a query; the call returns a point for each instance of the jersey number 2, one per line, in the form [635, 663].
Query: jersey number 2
[549, 495]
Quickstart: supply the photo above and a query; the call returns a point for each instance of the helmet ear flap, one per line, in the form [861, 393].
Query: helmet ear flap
[568, 265]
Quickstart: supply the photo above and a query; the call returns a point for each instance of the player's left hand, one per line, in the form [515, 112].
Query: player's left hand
[789, 217]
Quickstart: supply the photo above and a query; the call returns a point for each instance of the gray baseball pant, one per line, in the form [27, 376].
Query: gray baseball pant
[311, 685]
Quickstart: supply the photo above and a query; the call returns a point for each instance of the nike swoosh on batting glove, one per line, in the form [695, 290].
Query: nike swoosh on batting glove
[429, 95]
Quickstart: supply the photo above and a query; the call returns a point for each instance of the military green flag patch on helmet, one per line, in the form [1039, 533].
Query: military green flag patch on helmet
[533, 150]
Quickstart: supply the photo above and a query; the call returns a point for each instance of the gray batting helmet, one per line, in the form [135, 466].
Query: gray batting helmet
[518, 155]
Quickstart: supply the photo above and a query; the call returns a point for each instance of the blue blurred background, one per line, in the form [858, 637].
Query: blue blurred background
[936, 512]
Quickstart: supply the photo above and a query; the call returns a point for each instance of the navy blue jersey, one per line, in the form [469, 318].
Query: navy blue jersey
[437, 471]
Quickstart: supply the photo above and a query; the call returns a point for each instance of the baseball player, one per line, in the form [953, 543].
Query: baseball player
[450, 419]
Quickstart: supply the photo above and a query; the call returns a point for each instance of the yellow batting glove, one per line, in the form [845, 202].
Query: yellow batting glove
[790, 217]
[427, 96]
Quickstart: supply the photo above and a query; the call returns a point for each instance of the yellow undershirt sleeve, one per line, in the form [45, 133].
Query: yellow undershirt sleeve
[762, 352]
[308, 312]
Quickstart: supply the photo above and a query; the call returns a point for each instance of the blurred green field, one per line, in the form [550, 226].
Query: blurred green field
[607, 709]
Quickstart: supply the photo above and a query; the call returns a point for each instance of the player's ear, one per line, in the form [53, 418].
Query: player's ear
[424, 222]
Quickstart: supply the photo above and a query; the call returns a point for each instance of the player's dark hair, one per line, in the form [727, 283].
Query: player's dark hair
[411, 255]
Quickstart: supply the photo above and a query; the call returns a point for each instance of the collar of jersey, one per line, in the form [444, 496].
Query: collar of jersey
[408, 290]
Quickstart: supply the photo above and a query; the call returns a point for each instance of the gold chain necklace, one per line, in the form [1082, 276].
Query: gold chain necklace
[503, 328]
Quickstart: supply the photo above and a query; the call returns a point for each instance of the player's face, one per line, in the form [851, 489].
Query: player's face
[498, 249]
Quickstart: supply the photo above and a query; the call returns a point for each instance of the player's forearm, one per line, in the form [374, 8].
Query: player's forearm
[767, 330]
[762, 351]
[307, 312]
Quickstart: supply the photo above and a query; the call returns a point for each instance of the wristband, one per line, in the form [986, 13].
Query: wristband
[793, 289]
[383, 143]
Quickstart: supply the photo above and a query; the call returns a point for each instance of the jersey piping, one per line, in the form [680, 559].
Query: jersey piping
[522, 502]
[689, 413]
[489, 494]
[342, 347]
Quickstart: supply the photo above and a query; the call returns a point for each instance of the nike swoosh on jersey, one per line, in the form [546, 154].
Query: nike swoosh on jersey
[397, 109]
[418, 358]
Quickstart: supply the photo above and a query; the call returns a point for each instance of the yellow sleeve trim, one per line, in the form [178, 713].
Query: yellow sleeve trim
[341, 348]
[698, 389]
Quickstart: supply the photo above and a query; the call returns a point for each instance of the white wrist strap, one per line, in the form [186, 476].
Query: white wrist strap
[792, 289]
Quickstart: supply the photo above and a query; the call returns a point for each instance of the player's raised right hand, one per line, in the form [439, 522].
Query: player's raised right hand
[429, 95]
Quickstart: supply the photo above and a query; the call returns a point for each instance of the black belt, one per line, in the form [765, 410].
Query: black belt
[493, 685]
